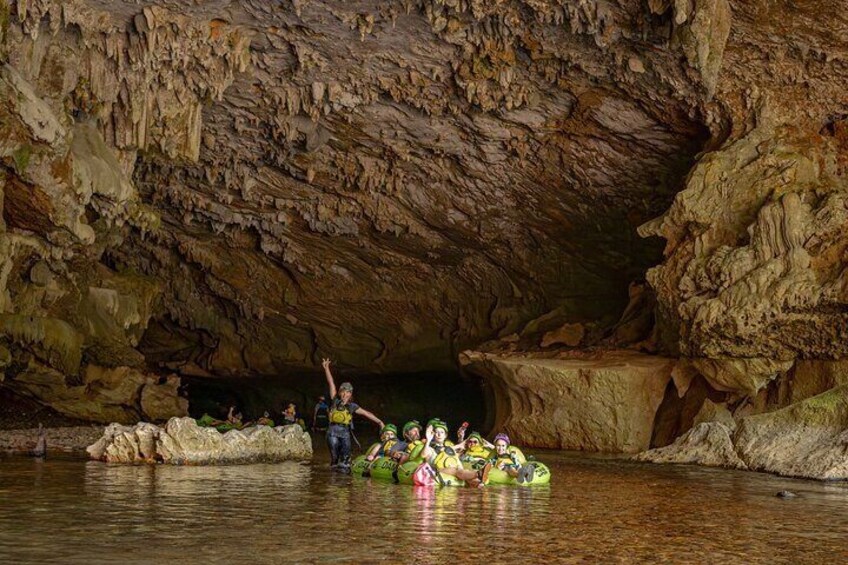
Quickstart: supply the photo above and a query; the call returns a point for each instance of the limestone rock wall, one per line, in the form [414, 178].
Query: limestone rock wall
[807, 439]
[182, 442]
[220, 188]
[602, 404]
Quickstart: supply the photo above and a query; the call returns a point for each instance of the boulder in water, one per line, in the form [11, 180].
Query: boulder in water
[708, 443]
[807, 439]
[183, 442]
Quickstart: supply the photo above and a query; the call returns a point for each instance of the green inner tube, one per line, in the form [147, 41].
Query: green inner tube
[383, 469]
[359, 467]
[541, 476]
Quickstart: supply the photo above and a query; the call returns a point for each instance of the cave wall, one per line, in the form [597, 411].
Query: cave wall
[243, 188]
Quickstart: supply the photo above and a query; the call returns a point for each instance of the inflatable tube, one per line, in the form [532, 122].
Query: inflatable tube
[383, 469]
[413, 473]
[541, 476]
[386, 469]
[359, 467]
[405, 472]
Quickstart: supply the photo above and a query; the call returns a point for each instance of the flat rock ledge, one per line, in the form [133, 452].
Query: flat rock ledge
[808, 439]
[67, 439]
[182, 442]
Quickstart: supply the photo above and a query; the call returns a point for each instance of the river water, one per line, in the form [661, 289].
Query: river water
[595, 510]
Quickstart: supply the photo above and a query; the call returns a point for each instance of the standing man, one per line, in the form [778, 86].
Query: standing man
[321, 415]
[341, 419]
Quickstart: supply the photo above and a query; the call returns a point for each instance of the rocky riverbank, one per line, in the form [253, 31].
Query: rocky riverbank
[67, 439]
[182, 442]
[808, 439]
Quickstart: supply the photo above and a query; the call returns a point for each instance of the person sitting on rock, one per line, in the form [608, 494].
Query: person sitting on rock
[265, 420]
[342, 409]
[511, 460]
[235, 419]
[436, 453]
[290, 414]
[291, 417]
[388, 438]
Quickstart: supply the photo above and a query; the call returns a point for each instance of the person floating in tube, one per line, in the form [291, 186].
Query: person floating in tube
[341, 418]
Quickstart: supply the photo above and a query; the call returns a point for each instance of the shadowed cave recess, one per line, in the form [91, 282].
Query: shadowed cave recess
[577, 222]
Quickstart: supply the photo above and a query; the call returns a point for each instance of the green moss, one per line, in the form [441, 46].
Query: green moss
[827, 408]
[5, 17]
[21, 156]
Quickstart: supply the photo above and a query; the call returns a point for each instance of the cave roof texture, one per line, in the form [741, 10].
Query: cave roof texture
[245, 187]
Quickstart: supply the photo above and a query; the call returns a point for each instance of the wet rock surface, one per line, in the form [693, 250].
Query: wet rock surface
[182, 442]
[605, 404]
[807, 439]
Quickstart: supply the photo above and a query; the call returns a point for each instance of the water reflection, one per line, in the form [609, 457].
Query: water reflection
[595, 510]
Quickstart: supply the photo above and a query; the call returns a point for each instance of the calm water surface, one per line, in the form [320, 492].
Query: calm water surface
[595, 510]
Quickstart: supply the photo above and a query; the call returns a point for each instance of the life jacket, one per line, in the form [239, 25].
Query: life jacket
[340, 413]
[322, 412]
[478, 452]
[444, 456]
[413, 448]
[512, 457]
[387, 445]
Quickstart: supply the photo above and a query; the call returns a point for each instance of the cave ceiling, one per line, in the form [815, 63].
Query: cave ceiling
[381, 182]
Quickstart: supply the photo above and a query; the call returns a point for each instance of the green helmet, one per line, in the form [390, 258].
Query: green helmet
[411, 424]
[389, 428]
[433, 422]
[475, 435]
[440, 424]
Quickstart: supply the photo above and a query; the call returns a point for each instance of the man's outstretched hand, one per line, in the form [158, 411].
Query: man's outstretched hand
[325, 363]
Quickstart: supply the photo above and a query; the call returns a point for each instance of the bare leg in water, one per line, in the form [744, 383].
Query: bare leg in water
[40, 445]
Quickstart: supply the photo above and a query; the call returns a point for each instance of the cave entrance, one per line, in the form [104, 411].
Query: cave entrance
[394, 398]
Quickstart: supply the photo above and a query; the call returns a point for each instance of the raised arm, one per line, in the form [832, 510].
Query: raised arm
[330, 383]
[365, 413]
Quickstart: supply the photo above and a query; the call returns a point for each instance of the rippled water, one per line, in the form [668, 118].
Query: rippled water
[595, 510]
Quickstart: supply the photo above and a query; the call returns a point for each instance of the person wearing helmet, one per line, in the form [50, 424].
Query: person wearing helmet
[341, 414]
[388, 439]
[509, 458]
[475, 449]
[436, 451]
[403, 450]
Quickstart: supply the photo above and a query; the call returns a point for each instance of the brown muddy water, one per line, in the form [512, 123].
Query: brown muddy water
[595, 511]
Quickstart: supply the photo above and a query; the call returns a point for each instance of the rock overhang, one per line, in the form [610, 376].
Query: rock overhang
[383, 182]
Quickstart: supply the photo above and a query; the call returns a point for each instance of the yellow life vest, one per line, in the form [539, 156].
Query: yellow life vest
[443, 460]
[387, 446]
[478, 452]
[412, 446]
[512, 457]
[339, 414]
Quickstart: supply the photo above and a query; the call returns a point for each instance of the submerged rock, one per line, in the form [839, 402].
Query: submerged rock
[182, 442]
